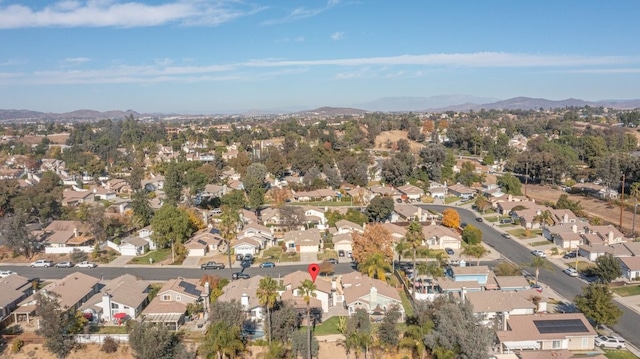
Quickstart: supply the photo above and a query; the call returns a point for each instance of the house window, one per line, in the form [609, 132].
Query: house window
[178, 298]
[125, 308]
[557, 344]
[585, 342]
[166, 297]
[114, 305]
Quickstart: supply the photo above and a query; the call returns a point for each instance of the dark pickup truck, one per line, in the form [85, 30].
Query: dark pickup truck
[212, 265]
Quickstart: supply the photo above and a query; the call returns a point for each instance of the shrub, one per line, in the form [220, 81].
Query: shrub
[17, 345]
[109, 345]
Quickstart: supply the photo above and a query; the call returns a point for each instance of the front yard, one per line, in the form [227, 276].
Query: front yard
[619, 354]
[626, 291]
[157, 256]
[521, 233]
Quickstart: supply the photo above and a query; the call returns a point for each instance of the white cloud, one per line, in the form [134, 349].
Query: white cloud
[338, 35]
[112, 13]
[300, 13]
[76, 60]
[404, 66]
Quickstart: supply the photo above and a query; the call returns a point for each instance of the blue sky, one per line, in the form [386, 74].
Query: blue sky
[214, 56]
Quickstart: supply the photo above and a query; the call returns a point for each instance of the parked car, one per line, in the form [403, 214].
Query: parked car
[479, 219]
[86, 264]
[537, 287]
[449, 251]
[506, 235]
[6, 273]
[506, 221]
[240, 275]
[245, 264]
[604, 341]
[267, 265]
[65, 264]
[341, 253]
[570, 255]
[571, 272]
[539, 253]
[42, 263]
[248, 257]
[211, 265]
[332, 261]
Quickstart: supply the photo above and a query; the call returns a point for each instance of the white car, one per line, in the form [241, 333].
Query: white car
[6, 273]
[604, 341]
[86, 264]
[539, 253]
[571, 272]
[42, 263]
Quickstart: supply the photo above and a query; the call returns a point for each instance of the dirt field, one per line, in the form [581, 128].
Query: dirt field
[607, 212]
[393, 137]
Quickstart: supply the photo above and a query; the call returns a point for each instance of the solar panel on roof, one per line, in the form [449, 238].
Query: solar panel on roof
[560, 326]
[189, 288]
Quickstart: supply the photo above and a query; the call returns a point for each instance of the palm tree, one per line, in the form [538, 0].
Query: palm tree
[375, 266]
[432, 269]
[634, 191]
[545, 217]
[540, 263]
[267, 294]
[228, 227]
[476, 251]
[308, 290]
[414, 238]
[222, 341]
[400, 248]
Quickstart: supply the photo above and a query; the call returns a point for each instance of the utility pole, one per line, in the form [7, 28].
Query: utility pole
[621, 201]
[526, 177]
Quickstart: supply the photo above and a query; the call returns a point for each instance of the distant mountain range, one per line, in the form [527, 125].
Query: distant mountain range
[385, 104]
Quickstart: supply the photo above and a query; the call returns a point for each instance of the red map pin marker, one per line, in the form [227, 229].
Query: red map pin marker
[313, 269]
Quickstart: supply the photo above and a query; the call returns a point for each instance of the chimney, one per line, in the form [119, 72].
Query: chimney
[75, 232]
[207, 290]
[106, 306]
[505, 318]
[419, 214]
[463, 295]
[373, 296]
[244, 301]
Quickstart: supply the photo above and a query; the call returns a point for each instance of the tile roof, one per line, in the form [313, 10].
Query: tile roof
[494, 301]
[235, 290]
[356, 285]
[308, 237]
[522, 327]
[72, 288]
[296, 278]
[127, 289]
[515, 281]
[470, 270]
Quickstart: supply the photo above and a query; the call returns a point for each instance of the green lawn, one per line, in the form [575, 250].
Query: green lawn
[328, 253]
[451, 199]
[619, 354]
[290, 257]
[406, 304]
[582, 265]
[329, 326]
[521, 233]
[540, 243]
[627, 291]
[492, 219]
[157, 255]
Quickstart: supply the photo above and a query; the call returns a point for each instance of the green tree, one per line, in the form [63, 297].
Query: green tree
[596, 302]
[234, 199]
[540, 263]
[375, 265]
[476, 251]
[256, 197]
[222, 341]
[142, 211]
[482, 203]
[196, 181]
[307, 289]
[472, 235]
[510, 184]
[170, 226]
[507, 269]
[607, 268]
[379, 209]
[229, 220]
[414, 238]
[153, 341]
[545, 218]
[267, 296]
[173, 184]
[57, 324]
[18, 238]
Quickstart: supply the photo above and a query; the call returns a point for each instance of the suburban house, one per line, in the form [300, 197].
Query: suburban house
[257, 230]
[570, 331]
[324, 292]
[404, 212]
[607, 234]
[568, 240]
[440, 237]
[306, 241]
[72, 198]
[13, 289]
[65, 236]
[343, 242]
[133, 246]
[494, 304]
[72, 291]
[563, 216]
[203, 242]
[397, 232]
[357, 291]
[245, 292]
[511, 283]
[549, 232]
[411, 192]
[126, 294]
[462, 191]
[449, 286]
[630, 267]
[170, 304]
[323, 194]
[248, 245]
[492, 190]
[344, 226]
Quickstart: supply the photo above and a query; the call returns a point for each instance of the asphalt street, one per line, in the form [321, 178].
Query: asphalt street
[568, 287]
